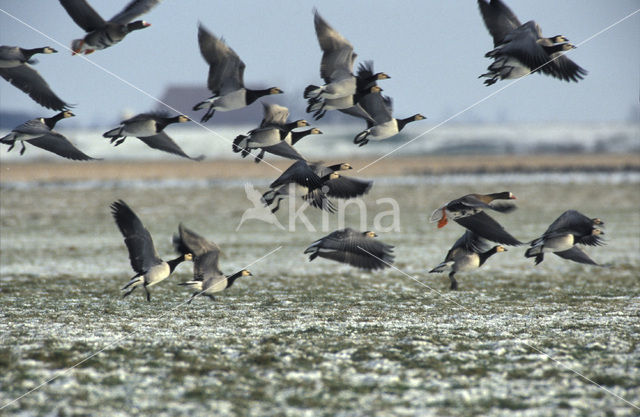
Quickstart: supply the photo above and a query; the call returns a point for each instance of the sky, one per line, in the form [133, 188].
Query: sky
[433, 50]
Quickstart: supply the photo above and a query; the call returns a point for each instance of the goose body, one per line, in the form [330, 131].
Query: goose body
[336, 67]
[469, 252]
[14, 56]
[384, 125]
[149, 128]
[149, 267]
[274, 135]
[235, 100]
[468, 211]
[352, 247]
[103, 34]
[39, 132]
[16, 69]
[226, 77]
[332, 185]
[562, 236]
[207, 277]
[284, 147]
[366, 83]
[300, 177]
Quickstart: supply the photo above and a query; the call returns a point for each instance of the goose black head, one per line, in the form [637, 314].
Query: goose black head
[369, 233]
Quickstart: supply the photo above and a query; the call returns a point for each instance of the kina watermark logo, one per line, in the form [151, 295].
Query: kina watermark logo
[386, 216]
[259, 211]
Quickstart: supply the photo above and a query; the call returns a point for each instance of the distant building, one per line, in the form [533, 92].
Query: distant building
[11, 119]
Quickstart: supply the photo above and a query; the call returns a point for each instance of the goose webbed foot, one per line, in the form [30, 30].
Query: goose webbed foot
[118, 140]
[208, 115]
[259, 157]
[192, 297]
[361, 138]
[277, 207]
[320, 115]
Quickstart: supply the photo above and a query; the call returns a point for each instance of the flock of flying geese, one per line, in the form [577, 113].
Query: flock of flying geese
[519, 49]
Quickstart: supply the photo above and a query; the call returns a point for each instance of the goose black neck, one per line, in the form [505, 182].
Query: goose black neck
[486, 255]
[505, 195]
[296, 136]
[232, 278]
[175, 262]
[253, 95]
[51, 121]
[164, 121]
[137, 25]
[290, 126]
[403, 122]
[28, 53]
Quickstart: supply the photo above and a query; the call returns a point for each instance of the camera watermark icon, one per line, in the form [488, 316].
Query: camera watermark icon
[385, 219]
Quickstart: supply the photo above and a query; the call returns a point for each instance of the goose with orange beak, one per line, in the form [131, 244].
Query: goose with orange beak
[468, 211]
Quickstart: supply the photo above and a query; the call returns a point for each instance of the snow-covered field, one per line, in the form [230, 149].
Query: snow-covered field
[319, 338]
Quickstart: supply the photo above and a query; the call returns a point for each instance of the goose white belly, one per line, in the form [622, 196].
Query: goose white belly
[157, 273]
[233, 101]
[558, 244]
[384, 130]
[10, 63]
[216, 284]
[466, 262]
[339, 89]
[140, 128]
[509, 68]
[264, 137]
[338, 103]
[27, 135]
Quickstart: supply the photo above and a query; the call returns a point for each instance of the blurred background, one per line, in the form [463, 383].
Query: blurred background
[434, 52]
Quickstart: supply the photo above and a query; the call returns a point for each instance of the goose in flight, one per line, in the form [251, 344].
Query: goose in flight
[102, 34]
[15, 67]
[520, 49]
[226, 77]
